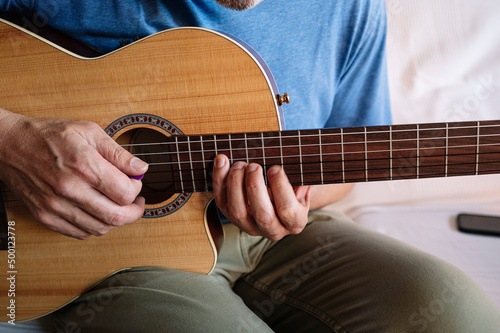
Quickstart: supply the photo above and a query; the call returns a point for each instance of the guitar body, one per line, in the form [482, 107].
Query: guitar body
[182, 81]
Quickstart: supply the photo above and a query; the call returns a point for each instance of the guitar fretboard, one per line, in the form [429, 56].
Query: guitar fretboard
[357, 154]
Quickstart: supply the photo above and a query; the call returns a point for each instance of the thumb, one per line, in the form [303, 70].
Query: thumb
[120, 157]
[303, 195]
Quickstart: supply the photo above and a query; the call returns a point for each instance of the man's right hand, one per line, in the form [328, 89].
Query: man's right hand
[71, 175]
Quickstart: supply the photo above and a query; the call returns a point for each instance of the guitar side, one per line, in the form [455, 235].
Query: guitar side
[197, 80]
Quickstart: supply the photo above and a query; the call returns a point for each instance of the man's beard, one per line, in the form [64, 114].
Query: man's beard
[238, 4]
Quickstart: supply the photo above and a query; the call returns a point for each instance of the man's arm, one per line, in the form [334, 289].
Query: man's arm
[323, 195]
[70, 174]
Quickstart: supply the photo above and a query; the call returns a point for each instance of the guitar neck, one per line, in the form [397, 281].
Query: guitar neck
[349, 155]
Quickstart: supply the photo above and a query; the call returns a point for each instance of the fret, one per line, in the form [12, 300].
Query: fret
[179, 162]
[191, 161]
[292, 156]
[477, 149]
[462, 149]
[431, 150]
[197, 147]
[342, 153]
[281, 152]
[489, 150]
[331, 148]
[204, 164]
[271, 150]
[321, 157]
[230, 140]
[238, 146]
[353, 154]
[215, 145]
[310, 143]
[246, 149]
[366, 155]
[208, 151]
[418, 151]
[403, 149]
[264, 166]
[300, 160]
[447, 150]
[377, 153]
[390, 152]
[222, 145]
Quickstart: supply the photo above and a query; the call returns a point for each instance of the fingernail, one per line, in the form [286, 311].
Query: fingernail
[252, 167]
[220, 162]
[138, 164]
[273, 170]
[239, 165]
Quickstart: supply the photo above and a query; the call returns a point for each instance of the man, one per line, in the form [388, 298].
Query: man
[328, 276]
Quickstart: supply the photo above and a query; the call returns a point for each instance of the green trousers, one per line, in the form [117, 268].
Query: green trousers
[335, 276]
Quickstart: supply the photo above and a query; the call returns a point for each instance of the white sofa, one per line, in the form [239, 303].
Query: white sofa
[444, 65]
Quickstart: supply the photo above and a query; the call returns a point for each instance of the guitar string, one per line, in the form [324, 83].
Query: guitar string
[352, 153]
[362, 161]
[336, 179]
[336, 173]
[353, 171]
[316, 165]
[354, 160]
[374, 170]
[220, 151]
[325, 145]
[323, 135]
[485, 136]
[362, 142]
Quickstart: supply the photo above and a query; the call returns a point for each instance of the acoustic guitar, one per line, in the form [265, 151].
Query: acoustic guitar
[176, 99]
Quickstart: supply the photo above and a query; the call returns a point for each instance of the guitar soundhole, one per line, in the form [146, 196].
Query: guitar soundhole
[157, 185]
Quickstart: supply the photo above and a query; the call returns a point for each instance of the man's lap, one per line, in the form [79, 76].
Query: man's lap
[333, 277]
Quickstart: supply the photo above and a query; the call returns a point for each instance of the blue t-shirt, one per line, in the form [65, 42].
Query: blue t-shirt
[328, 55]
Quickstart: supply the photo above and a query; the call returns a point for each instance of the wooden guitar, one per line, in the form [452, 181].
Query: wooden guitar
[172, 99]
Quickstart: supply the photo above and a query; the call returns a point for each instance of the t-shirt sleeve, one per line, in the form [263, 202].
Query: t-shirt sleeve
[16, 6]
[362, 97]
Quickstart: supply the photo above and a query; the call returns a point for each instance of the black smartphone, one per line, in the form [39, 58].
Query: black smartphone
[479, 224]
